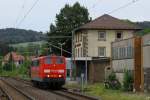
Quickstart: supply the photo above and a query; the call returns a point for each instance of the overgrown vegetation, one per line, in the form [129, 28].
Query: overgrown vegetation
[9, 69]
[98, 90]
[128, 81]
[112, 82]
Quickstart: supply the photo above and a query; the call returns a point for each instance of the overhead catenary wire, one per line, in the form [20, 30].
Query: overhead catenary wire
[94, 5]
[28, 12]
[20, 12]
[59, 48]
[124, 6]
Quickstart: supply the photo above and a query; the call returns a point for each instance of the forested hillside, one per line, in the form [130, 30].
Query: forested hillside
[11, 36]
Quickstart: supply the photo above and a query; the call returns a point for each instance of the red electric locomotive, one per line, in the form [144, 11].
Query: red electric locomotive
[48, 71]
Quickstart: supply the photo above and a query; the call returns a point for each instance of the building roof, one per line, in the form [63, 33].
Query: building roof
[108, 22]
[15, 56]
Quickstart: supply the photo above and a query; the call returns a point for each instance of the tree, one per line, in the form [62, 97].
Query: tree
[5, 48]
[69, 18]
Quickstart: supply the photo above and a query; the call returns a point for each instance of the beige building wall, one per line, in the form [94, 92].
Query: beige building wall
[121, 65]
[146, 51]
[93, 43]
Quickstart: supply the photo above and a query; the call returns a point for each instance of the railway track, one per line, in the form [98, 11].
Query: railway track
[64, 94]
[74, 96]
[4, 95]
[14, 93]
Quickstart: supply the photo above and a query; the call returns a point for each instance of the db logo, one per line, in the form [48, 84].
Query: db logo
[147, 98]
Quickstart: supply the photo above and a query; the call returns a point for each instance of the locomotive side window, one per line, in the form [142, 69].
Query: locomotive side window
[35, 63]
[59, 60]
[48, 60]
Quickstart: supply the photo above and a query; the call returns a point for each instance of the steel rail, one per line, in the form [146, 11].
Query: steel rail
[20, 91]
[64, 92]
[6, 93]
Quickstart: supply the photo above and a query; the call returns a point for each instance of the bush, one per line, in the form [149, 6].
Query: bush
[9, 66]
[112, 77]
[128, 81]
[112, 82]
[24, 68]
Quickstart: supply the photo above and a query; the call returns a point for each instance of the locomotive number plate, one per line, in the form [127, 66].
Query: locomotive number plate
[46, 71]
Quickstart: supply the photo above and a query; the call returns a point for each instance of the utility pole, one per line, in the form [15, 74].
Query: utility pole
[72, 56]
[86, 60]
[61, 44]
[86, 68]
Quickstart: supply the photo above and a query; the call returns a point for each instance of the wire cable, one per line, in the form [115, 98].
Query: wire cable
[24, 17]
[20, 13]
[94, 5]
[124, 6]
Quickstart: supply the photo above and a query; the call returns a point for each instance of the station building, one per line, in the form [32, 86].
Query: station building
[92, 44]
[133, 54]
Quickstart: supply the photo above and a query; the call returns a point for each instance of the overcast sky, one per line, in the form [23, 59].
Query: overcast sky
[44, 12]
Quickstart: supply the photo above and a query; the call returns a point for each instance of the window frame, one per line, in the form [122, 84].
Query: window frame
[104, 51]
[51, 61]
[61, 60]
[116, 36]
[104, 35]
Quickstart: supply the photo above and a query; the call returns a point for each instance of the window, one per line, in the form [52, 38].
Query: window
[81, 52]
[129, 52]
[115, 53]
[78, 37]
[102, 36]
[120, 53]
[35, 63]
[78, 52]
[119, 35]
[59, 60]
[102, 51]
[81, 37]
[68, 72]
[124, 52]
[48, 60]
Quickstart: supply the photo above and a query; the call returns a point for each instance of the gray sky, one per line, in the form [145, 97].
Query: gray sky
[44, 12]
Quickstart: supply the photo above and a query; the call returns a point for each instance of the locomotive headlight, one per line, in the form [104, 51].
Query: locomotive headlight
[46, 71]
[59, 76]
[61, 71]
[48, 75]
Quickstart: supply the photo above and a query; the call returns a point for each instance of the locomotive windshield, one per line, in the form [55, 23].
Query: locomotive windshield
[48, 60]
[59, 60]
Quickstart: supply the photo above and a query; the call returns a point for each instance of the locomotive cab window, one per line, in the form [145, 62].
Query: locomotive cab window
[59, 60]
[48, 60]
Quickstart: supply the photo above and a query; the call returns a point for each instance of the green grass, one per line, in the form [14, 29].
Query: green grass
[98, 90]
[12, 74]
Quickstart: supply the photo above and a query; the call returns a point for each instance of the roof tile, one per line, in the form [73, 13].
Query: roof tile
[108, 22]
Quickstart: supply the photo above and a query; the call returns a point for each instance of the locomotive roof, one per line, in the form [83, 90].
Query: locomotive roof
[41, 57]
